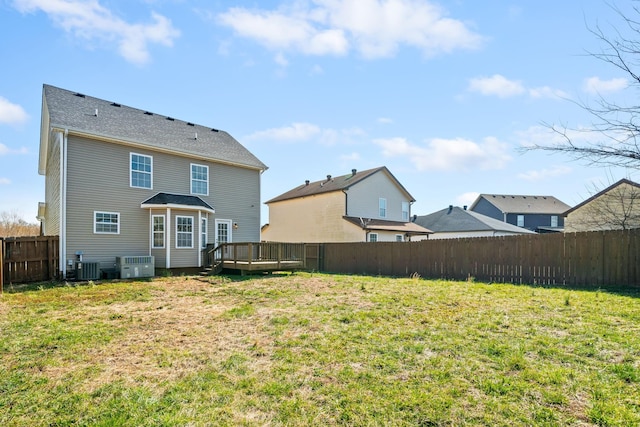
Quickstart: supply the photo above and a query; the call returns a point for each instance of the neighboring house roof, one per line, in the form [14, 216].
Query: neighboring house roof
[600, 193]
[508, 203]
[385, 225]
[83, 114]
[455, 219]
[178, 200]
[338, 183]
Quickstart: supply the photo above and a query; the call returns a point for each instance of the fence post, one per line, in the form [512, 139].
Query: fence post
[1, 266]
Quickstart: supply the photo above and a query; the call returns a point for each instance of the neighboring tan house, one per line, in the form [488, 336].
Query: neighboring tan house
[369, 205]
[126, 182]
[542, 214]
[454, 222]
[617, 207]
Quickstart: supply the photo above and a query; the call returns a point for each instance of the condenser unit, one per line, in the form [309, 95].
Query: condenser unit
[135, 266]
[87, 270]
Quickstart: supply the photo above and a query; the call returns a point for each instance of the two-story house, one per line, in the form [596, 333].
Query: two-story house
[121, 181]
[616, 207]
[455, 222]
[369, 205]
[542, 214]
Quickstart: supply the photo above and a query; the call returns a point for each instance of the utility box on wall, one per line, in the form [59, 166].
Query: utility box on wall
[135, 266]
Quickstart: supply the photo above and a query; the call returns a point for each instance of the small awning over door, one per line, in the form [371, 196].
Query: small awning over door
[176, 201]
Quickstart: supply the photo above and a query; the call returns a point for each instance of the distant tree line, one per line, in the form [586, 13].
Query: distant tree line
[13, 225]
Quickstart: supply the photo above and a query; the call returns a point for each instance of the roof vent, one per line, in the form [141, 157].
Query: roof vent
[190, 124]
[214, 130]
[196, 137]
[465, 207]
[96, 113]
[353, 172]
[306, 182]
[79, 95]
[148, 113]
[450, 209]
[115, 104]
[328, 178]
[170, 118]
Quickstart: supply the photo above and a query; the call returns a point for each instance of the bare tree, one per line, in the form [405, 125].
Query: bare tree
[612, 138]
[615, 208]
[12, 225]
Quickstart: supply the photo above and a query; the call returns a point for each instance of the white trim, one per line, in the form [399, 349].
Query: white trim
[401, 236]
[164, 231]
[64, 139]
[369, 237]
[131, 154]
[177, 207]
[168, 237]
[229, 230]
[191, 180]
[108, 213]
[192, 231]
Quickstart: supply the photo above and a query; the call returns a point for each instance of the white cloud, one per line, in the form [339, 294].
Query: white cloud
[502, 87]
[448, 154]
[11, 113]
[496, 85]
[594, 85]
[385, 120]
[350, 157]
[5, 181]
[373, 28]
[543, 174]
[4, 150]
[90, 20]
[300, 132]
[466, 199]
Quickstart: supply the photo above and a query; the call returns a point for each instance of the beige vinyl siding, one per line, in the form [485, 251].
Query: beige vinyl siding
[52, 187]
[311, 219]
[363, 198]
[99, 178]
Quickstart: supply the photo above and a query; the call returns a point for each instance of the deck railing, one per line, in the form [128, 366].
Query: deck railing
[257, 256]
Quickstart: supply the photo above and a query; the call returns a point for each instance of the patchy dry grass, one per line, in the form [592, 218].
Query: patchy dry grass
[315, 349]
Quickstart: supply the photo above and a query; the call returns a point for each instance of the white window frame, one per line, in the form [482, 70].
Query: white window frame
[204, 231]
[178, 232]
[405, 211]
[153, 232]
[399, 238]
[229, 230]
[132, 171]
[382, 207]
[194, 180]
[554, 220]
[373, 237]
[520, 220]
[95, 222]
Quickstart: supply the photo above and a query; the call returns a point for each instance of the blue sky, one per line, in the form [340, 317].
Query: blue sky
[442, 93]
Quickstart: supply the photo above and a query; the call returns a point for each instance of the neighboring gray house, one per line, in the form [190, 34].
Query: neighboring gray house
[454, 222]
[369, 205]
[542, 214]
[126, 182]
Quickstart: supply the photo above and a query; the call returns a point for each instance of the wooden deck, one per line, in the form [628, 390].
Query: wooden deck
[256, 257]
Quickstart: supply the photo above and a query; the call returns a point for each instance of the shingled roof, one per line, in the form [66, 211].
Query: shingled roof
[168, 199]
[508, 203]
[338, 183]
[455, 219]
[83, 114]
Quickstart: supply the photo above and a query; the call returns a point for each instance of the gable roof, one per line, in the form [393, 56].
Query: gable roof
[83, 114]
[600, 193]
[455, 219]
[508, 203]
[338, 183]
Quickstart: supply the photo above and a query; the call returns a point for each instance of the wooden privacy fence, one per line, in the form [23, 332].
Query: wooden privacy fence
[28, 259]
[591, 259]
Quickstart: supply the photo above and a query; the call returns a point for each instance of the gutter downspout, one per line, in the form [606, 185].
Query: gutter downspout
[63, 201]
[346, 203]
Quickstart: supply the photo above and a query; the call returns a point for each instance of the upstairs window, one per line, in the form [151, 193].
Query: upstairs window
[405, 211]
[554, 220]
[141, 171]
[199, 179]
[382, 208]
[520, 221]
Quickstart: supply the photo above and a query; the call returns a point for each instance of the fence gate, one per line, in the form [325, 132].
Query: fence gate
[28, 259]
[314, 256]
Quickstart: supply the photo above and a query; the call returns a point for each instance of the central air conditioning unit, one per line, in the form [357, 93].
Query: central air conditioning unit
[87, 270]
[135, 266]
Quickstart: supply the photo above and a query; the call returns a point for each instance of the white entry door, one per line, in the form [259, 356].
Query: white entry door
[223, 231]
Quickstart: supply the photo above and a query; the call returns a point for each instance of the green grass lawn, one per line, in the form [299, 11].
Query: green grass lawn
[316, 349]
